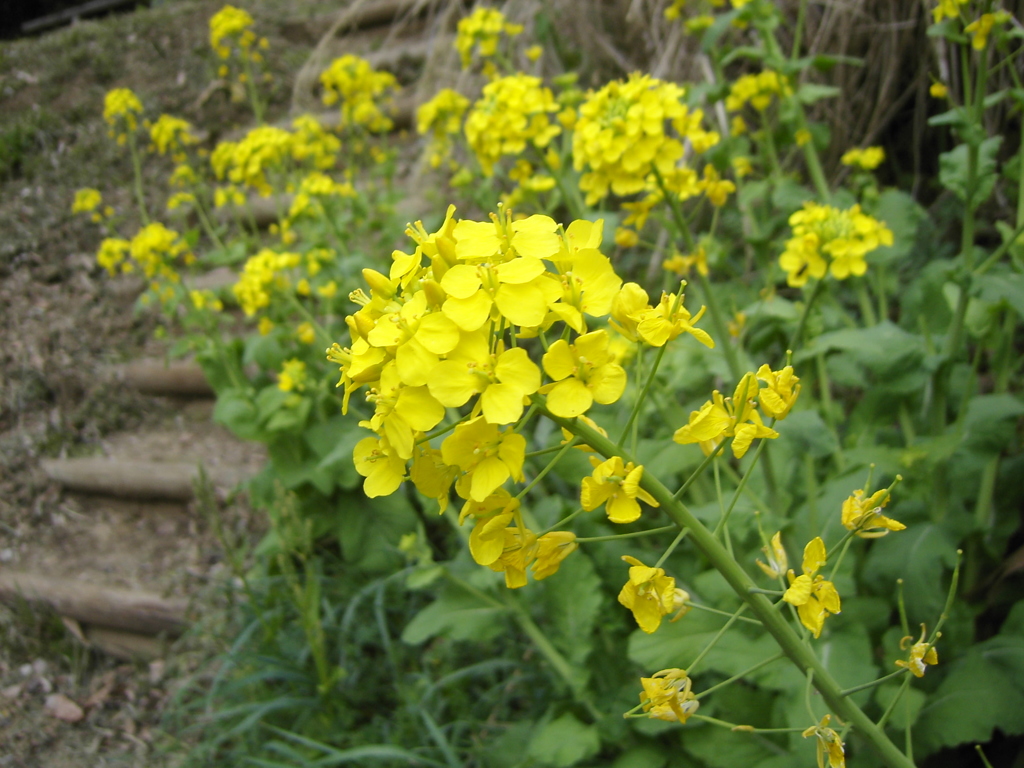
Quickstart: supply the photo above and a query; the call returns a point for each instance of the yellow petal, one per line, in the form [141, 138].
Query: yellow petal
[522, 304]
[502, 403]
[814, 555]
[569, 398]
[488, 475]
[558, 361]
[469, 314]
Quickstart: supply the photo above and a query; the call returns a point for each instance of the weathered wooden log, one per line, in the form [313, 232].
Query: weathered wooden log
[130, 646]
[122, 609]
[172, 481]
[183, 378]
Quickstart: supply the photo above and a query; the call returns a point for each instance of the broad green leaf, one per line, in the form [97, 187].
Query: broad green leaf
[954, 171]
[885, 349]
[909, 707]
[788, 196]
[369, 529]
[983, 691]
[1008, 287]
[573, 599]
[644, 756]
[920, 556]
[808, 434]
[456, 614]
[808, 93]
[721, 748]
[564, 742]
[903, 216]
[236, 411]
[990, 421]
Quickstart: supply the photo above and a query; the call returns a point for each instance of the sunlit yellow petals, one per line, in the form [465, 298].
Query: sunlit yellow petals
[487, 540]
[617, 485]
[709, 423]
[558, 361]
[414, 362]
[470, 313]
[552, 549]
[431, 476]
[814, 555]
[437, 333]
[778, 398]
[523, 305]
[607, 383]
[384, 471]
[519, 271]
[487, 476]
[582, 234]
[569, 398]
[502, 403]
[799, 591]
[649, 594]
[668, 695]
[864, 516]
[452, 384]
[515, 368]
[746, 433]
[462, 280]
[622, 509]
[535, 237]
[828, 596]
[627, 309]
[487, 456]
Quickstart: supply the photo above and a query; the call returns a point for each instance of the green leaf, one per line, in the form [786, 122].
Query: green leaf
[954, 171]
[1007, 288]
[903, 216]
[909, 707]
[369, 529]
[333, 441]
[643, 756]
[885, 349]
[456, 614]
[564, 742]
[920, 556]
[236, 411]
[788, 196]
[808, 434]
[808, 93]
[720, 748]
[573, 599]
[984, 690]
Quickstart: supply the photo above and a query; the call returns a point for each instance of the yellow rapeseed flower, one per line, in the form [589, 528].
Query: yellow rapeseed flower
[361, 91]
[616, 485]
[866, 159]
[830, 746]
[121, 111]
[667, 695]
[86, 200]
[844, 235]
[649, 594]
[482, 30]
[922, 654]
[814, 597]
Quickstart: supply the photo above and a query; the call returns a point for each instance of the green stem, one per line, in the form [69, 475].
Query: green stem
[740, 676]
[799, 332]
[714, 640]
[742, 484]
[867, 311]
[706, 609]
[737, 578]
[633, 535]
[873, 683]
[892, 704]
[699, 470]
[550, 465]
[643, 394]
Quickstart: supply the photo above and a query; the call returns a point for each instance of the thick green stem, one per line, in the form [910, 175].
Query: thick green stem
[774, 622]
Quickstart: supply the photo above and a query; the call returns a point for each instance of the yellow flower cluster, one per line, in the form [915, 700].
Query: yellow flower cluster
[448, 327]
[814, 597]
[89, 200]
[651, 595]
[866, 159]
[947, 9]
[262, 274]
[314, 145]
[863, 516]
[620, 138]
[512, 113]
[757, 90]
[121, 110]
[482, 30]
[738, 417]
[845, 236]
[170, 135]
[232, 26]
[292, 376]
[246, 163]
[441, 117]
[981, 28]
[155, 249]
[667, 695]
[359, 89]
[112, 254]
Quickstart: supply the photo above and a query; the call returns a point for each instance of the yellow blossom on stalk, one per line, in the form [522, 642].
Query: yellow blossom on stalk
[866, 159]
[360, 89]
[682, 265]
[621, 137]
[582, 373]
[830, 746]
[512, 113]
[482, 30]
[649, 594]
[178, 199]
[265, 326]
[315, 145]
[627, 309]
[674, 10]
[306, 333]
[292, 377]
[155, 248]
[742, 167]
[981, 28]
[659, 325]
[617, 485]
[519, 550]
[947, 9]
[383, 469]
[845, 236]
[736, 417]
[170, 135]
[86, 200]
[737, 324]
[441, 117]
[698, 24]
[864, 516]
[802, 137]
[781, 393]
[401, 411]
[488, 457]
[626, 238]
[112, 253]
[758, 90]
[667, 695]
[205, 300]
[502, 379]
[938, 90]
[552, 549]
[534, 52]
[262, 274]
[247, 162]
[778, 562]
[230, 26]
[121, 110]
[922, 654]
[814, 597]
[715, 187]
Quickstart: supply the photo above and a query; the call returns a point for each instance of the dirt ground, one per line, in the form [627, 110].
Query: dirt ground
[63, 325]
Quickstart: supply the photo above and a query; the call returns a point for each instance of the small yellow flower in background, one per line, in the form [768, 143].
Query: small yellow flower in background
[205, 300]
[698, 24]
[169, 135]
[737, 324]
[682, 265]
[179, 199]
[867, 159]
[292, 376]
[482, 30]
[781, 393]
[981, 28]
[846, 236]
[328, 291]
[534, 52]
[778, 562]
[625, 237]
[814, 597]
[305, 333]
[675, 10]
[864, 516]
[302, 287]
[738, 126]
[667, 695]
[649, 594]
[616, 485]
[266, 325]
[715, 187]
[947, 9]
[922, 654]
[441, 116]
[121, 111]
[742, 167]
[802, 137]
[360, 90]
[830, 746]
[155, 248]
[86, 200]
[938, 90]
[758, 90]
[112, 253]
[231, 25]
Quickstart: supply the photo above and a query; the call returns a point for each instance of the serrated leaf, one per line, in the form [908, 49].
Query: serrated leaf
[983, 691]
[564, 742]
[456, 614]
[954, 171]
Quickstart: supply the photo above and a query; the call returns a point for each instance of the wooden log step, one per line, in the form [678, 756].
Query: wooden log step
[129, 646]
[128, 479]
[120, 609]
[181, 378]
